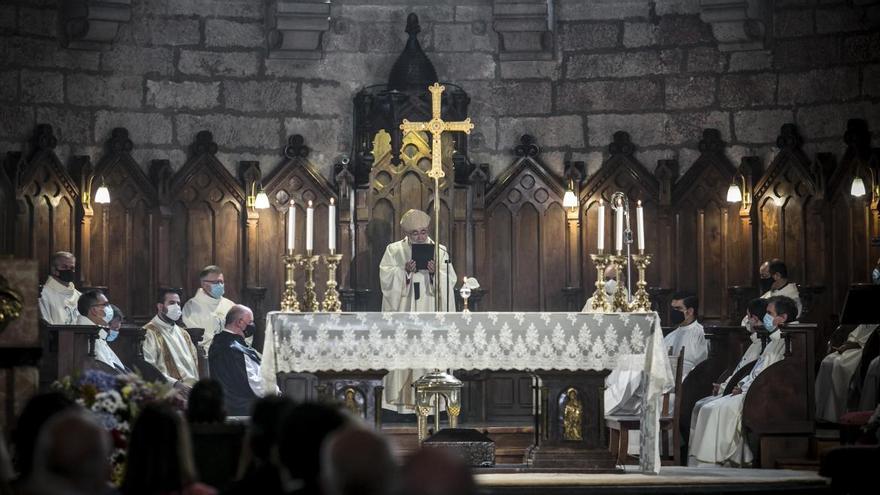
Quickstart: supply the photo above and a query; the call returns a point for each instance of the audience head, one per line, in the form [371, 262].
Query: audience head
[415, 225]
[72, 455]
[62, 266]
[159, 453]
[211, 280]
[764, 279]
[684, 308]
[436, 472]
[240, 320]
[265, 425]
[781, 310]
[168, 305]
[95, 306]
[38, 410]
[205, 403]
[303, 431]
[757, 309]
[356, 461]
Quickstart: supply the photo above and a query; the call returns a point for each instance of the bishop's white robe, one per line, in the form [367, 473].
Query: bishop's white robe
[170, 349]
[624, 386]
[835, 374]
[203, 311]
[399, 294]
[103, 352]
[58, 303]
[718, 436]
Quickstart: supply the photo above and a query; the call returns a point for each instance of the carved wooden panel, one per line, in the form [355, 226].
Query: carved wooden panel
[7, 212]
[47, 202]
[207, 221]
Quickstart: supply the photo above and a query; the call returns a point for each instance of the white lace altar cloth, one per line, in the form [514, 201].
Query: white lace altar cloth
[309, 342]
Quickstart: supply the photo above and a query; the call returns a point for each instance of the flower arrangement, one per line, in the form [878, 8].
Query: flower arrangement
[116, 400]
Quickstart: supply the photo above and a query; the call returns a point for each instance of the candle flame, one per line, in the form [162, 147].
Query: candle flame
[331, 201]
[639, 203]
[601, 202]
[310, 203]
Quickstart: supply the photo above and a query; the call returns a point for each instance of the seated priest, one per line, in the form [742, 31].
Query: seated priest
[836, 372]
[624, 387]
[167, 346]
[610, 286]
[756, 311]
[774, 282]
[58, 300]
[208, 308]
[405, 287]
[235, 364]
[717, 438]
[95, 309]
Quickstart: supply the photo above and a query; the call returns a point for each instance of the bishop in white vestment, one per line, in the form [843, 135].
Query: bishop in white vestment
[208, 308]
[836, 372]
[405, 288]
[167, 346]
[59, 297]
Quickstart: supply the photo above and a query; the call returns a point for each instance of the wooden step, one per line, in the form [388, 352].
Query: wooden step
[798, 464]
[511, 442]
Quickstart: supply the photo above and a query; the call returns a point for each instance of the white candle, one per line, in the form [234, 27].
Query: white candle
[310, 224]
[600, 226]
[291, 227]
[331, 226]
[618, 229]
[640, 223]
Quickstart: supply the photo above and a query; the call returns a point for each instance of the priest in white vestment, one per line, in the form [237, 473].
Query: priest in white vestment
[836, 372]
[610, 286]
[774, 282]
[167, 346]
[718, 438]
[208, 308]
[95, 310]
[59, 297]
[406, 288]
[624, 386]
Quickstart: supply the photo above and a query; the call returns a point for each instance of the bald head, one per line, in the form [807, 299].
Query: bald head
[73, 451]
[356, 461]
[239, 317]
[611, 272]
[437, 472]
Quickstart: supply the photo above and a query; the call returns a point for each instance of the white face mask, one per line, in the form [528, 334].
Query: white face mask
[108, 314]
[610, 286]
[173, 312]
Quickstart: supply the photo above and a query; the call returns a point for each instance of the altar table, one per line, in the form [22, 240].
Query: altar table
[533, 342]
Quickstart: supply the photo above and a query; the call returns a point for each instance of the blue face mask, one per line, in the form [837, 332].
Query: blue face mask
[875, 276]
[768, 322]
[111, 335]
[108, 314]
[217, 290]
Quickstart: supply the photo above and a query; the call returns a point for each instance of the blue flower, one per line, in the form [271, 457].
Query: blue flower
[100, 380]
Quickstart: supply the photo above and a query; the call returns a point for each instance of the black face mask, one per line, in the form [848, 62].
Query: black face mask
[676, 317]
[66, 276]
[250, 330]
[765, 284]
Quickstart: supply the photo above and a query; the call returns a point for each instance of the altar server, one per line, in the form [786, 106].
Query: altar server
[718, 436]
[235, 364]
[59, 297]
[208, 308]
[167, 346]
[95, 309]
[405, 288]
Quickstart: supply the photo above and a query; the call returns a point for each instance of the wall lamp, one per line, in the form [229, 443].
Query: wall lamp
[569, 200]
[102, 195]
[858, 189]
[735, 194]
[257, 200]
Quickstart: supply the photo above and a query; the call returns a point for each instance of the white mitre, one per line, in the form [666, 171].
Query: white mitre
[414, 220]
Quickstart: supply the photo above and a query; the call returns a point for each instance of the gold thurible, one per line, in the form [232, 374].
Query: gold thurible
[331, 303]
[641, 301]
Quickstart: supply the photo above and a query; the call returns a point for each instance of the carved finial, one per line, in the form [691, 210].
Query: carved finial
[412, 24]
[857, 136]
[788, 137]
[621, 144]
[343, 176]
[576, 171]
[711, 141]
[296, 147]
[204, 144]
[44, 137]
[119, 142]
[527, 146]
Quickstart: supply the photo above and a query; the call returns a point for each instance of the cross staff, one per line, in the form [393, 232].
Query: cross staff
[436, 126]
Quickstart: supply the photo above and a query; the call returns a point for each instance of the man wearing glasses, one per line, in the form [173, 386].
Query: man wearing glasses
[95, 309]
[208, 308]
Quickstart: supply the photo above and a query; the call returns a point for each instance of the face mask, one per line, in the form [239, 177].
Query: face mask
[250, 330]
[111, 335]
[875, 275]
[677, 317]
[765, 284]
[173, 312]
[66, 276]
[108, 314]
[217, 291]
[768, 322]
[610, 286]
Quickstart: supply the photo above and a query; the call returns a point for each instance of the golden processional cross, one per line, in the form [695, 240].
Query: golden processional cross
[436, 126]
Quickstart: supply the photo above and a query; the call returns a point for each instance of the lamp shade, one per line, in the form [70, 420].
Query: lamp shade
[734, 194]
[858, 187]
[569, 200]
[102, 195]
[262, 201]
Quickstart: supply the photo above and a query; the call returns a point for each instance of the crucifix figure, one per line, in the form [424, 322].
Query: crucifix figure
[436, 126]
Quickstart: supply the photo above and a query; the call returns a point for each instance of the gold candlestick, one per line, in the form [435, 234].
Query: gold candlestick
[641, 301]
[620, 302]
[289, 301]
[310, 299]
[331, 303]
[600, 300]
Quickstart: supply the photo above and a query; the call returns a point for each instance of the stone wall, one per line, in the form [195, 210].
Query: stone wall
[652, 68]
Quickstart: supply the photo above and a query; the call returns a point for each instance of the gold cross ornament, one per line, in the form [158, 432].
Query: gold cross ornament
[436, 126]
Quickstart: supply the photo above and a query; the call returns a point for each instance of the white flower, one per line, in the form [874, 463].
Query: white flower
[109, 402]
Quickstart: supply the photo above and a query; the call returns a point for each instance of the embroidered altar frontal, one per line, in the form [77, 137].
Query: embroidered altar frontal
[309, 342]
